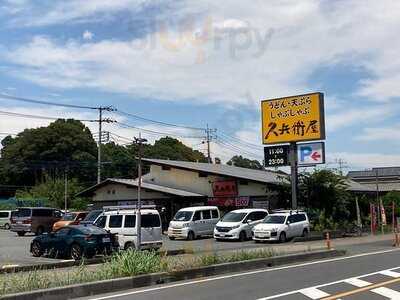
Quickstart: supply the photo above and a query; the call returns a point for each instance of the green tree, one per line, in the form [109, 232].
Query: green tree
[240, 161]
[53, 193]
[325, 191]
[170, 148]
[48, 151]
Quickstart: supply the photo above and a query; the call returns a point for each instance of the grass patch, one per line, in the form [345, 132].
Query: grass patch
[122, 264]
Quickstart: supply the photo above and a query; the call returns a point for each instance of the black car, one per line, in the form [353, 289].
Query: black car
[74, 241]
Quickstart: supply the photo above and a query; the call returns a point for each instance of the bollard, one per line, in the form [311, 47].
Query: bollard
[328, 241]
[396, 239]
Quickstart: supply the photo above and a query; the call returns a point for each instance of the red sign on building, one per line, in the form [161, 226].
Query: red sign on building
[226, 194]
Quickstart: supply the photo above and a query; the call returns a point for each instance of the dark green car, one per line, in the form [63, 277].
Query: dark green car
[74, 241]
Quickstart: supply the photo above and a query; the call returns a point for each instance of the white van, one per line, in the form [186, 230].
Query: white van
[192, 222]
[122, 221]
[5, 218]
[238, 224]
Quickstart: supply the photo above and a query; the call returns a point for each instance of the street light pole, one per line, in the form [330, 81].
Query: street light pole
[139, 141]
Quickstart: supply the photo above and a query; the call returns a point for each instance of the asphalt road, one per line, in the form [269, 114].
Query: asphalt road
[362, 276]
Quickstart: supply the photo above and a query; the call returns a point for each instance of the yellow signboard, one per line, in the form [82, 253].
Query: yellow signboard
[293, 119]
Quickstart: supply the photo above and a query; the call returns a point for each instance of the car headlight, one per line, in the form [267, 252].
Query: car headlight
[185, 225]
[235, 227]
[274, 229]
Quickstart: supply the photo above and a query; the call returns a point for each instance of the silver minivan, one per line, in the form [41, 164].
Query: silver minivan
[5, 219]
[192, 222]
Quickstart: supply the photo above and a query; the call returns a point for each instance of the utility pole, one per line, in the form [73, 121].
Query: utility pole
[139, 141]
[208, 140]
[65, 190]
[342, 164]
[101, 120]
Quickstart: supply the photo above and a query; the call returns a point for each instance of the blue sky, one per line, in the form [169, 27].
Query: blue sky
[199, 62]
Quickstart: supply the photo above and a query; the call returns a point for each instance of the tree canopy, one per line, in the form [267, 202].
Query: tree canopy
[240, 161]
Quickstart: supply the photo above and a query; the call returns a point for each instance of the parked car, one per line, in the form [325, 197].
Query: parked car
[5, 219]
[34, 219]
[238, 224]
[70, 218]
[281, 226]
[192, 222]
[74, 241]
[92, 216]
[122, 221]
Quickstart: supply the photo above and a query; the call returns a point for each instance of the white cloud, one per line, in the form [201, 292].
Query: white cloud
[365, 160]
[278, 46]
[87, 35]
[389, 134]
[365, 115]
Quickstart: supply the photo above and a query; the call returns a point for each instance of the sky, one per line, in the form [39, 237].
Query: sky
[203, 62]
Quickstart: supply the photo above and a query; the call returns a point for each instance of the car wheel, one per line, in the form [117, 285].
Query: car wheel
[21, 233]
[39, 231]
[76, 252]
[305, 233]
[36, 249]
[7, 226]
[171, 238]
[129, 246]
[242, 236]
[190, 236]
[282, 237]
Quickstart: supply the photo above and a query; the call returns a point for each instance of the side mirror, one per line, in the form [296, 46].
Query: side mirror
[249, 221]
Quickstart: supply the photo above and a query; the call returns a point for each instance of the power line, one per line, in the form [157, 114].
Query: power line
[159, 122]
[12, 114]
[158, 133]
[9, 97]
[242, 142]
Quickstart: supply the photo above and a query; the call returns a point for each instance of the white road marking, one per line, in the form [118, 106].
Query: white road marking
[390, 273]
[357, 282]
[67, 260]
[314, 293]
[386, 292]
[248, 273]
[327, 284]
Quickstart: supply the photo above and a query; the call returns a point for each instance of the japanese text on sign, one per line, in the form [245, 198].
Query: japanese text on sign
[291, 119]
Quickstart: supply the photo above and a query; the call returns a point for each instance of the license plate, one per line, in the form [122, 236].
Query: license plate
[263, 234]
[106, 240]
[222, 234]
[19, 222]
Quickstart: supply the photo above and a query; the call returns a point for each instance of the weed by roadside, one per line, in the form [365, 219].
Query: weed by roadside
[123, 264]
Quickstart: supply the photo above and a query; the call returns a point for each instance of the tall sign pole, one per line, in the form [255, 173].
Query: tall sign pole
[290, 120]
[293, 173]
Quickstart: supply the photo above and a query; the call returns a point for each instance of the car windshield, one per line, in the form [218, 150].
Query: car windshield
[91, 230]
[24, 212]
[69, 217]
[274, 219]
[183, 216]
[233, 217]
[91, 217]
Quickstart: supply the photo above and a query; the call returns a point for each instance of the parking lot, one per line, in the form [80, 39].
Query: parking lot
[14, 250]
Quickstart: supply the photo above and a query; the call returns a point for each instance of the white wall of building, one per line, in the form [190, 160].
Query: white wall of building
[118, 192]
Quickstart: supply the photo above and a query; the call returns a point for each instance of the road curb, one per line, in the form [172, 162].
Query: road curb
[112, 285]
[72, 263]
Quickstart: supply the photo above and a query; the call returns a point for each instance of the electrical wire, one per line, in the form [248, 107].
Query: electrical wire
[9, 97]
[12, 114]
[158, 133]
[159, 122]
[239, 141]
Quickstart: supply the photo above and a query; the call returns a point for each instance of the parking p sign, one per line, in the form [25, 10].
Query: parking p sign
[311, 154]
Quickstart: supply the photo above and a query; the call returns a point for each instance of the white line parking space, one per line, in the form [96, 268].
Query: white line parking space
[357, 282]
[388, 293]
